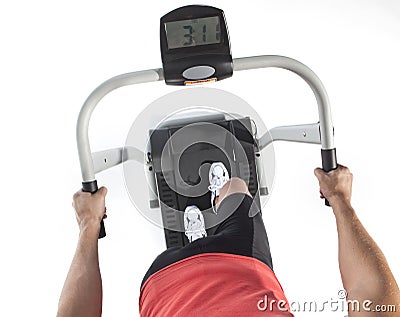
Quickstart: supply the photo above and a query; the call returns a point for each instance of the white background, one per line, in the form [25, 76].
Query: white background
[53, 54]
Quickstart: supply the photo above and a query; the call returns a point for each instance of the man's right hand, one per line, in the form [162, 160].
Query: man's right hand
[335, 185]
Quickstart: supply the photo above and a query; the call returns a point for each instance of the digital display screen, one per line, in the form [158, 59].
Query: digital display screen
[194, 32]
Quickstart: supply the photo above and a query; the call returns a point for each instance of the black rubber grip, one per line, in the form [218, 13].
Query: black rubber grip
[329, 163]
[91, 187]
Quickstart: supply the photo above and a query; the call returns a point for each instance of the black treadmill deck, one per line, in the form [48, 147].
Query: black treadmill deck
[186, 151]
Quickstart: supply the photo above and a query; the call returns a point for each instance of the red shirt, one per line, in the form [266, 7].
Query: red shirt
[214, 284]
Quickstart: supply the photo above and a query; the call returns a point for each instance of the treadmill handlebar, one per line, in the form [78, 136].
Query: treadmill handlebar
[91, 187]
[152, 75]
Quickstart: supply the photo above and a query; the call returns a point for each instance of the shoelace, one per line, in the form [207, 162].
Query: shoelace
[213, 188]
[191, 233]
[214, 183]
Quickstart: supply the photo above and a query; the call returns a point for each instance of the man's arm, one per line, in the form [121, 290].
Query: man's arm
[365, 272]
[82, 292]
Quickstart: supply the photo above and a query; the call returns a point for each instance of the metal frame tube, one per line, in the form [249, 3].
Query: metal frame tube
[82, 128]
[324, 109]
[302, 133]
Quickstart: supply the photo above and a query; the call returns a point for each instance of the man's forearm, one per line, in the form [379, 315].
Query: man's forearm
[365, 272]
[82, 291]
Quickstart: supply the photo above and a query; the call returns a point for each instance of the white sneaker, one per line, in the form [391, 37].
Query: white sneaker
[194, 223]
[218, 177]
